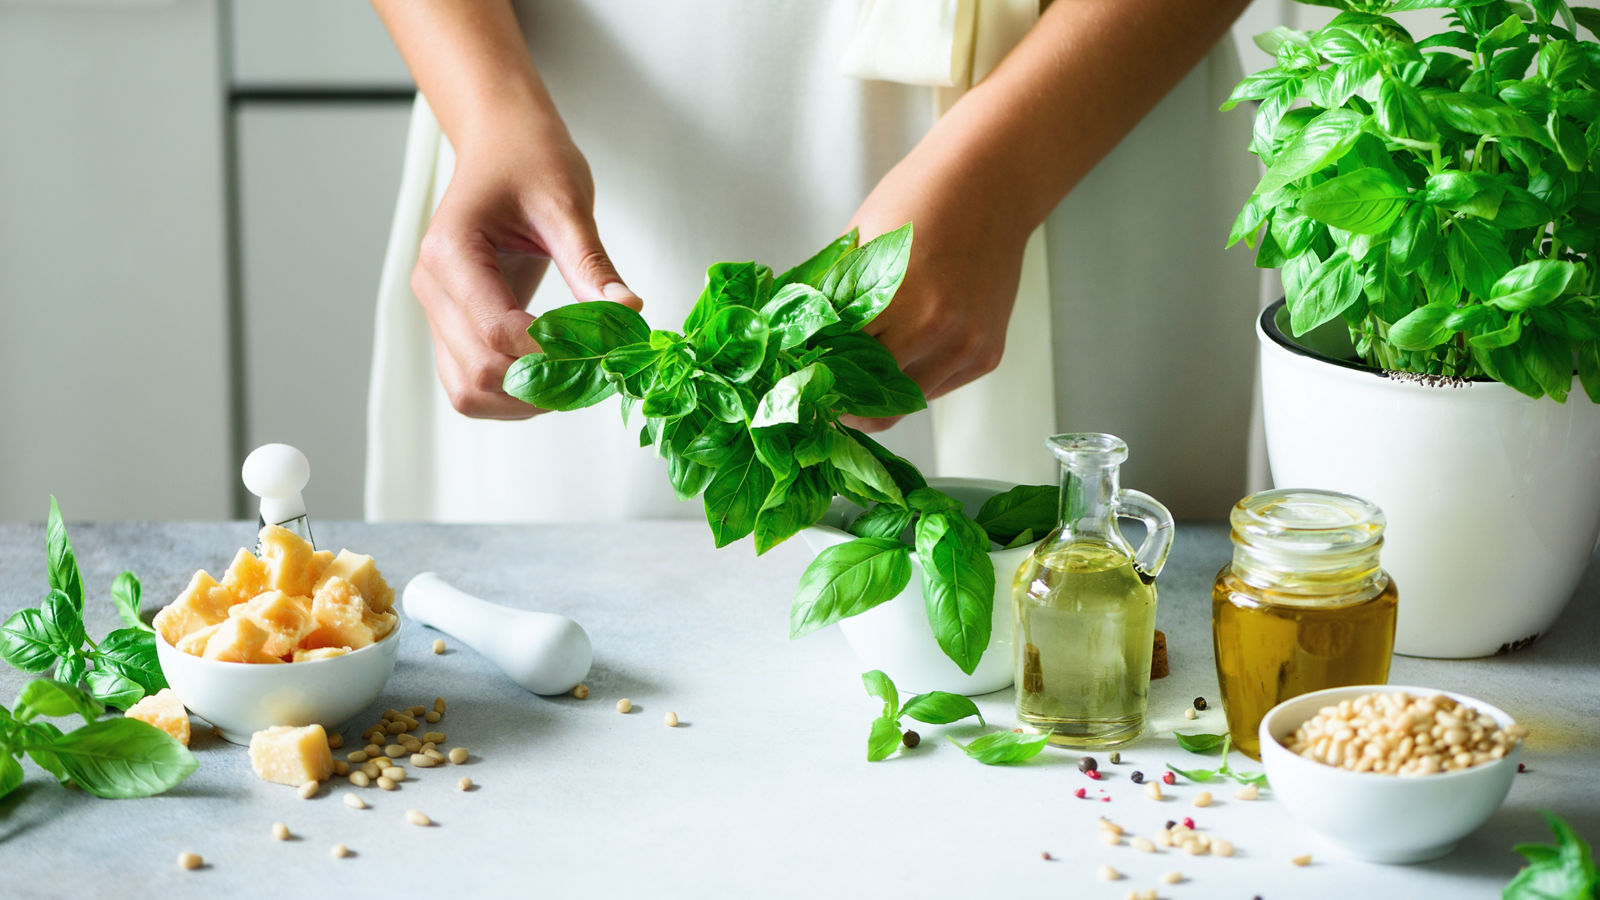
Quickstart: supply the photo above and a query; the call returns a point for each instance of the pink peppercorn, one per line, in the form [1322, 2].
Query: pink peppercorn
[1080, 793]
[1167, 778]
[1094, 774]
[1188, 823]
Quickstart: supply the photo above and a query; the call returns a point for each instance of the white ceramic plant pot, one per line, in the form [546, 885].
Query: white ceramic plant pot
[895, 636]
[1493, 498]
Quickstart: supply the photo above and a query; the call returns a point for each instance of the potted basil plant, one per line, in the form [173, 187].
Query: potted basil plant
[1434, 206]
[744, 405]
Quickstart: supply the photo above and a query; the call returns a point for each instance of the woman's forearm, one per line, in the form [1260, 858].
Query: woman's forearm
[469, 60]
[1084, 76]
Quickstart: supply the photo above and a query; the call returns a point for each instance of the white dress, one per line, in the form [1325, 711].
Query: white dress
[725, 130]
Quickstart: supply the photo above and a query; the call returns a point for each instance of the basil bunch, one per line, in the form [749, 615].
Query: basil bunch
[932, 708]
[121, 669]
[744, 405]
[113, 758]
[1442, 196]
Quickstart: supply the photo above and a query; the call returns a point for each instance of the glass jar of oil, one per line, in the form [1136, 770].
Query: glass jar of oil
[1304, 605]
[1085, 603]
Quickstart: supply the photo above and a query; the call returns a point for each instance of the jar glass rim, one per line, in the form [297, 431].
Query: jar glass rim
[1307, 520]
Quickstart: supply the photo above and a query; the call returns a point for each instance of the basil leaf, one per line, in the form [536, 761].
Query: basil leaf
[28, 642]
[1477, 254]
[720, 399]
[630, 367]
[857, 461]
[672, 400]
[1327, 292]
[957, 585]
[1003, 748]
[810, 272]
[862, 282]
[36, 737]
[716, 444]
[775, 449]
[789, 507]
[44, 697]
[558, 384]
[688, 478]
[1401, 113]
[1024, 508]
[1532, 284]
[587, 330]
[63, 571]
[847, 579]
[733, 343]
[883, 520]
[1204, 776]
[10, 774]
[131, 652]
[1470, 192]
[1589, 369]
[1476, 114]
[1199, 743]
[1322, 142]
[727, 284]
[113, 688]
[905, 475]
[1423, 328]
[879, 685]
[782, 402]
[797, 312]
[869, 379]
[71, 669]
[941, 708]
[1022, 540]
[735, 495]
[883, 740]
[123, 758]
[1413, 239]
[65, 619]
[1366, 201]
[125, 592]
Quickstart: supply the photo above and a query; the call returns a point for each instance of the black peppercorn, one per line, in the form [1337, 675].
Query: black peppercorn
[1200, 703]
[1087, 764]
[911, 739]
[1171, 823]
[1137, 777]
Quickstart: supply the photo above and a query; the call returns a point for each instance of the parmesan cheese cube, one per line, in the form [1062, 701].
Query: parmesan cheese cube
[194, 643]
[319, 653]
[246, 576]
[285, 754]
[359, 570]
[341, 616]
[286, 620]
[288, 560]
[239, 640]
[320, 560]
[165, 711]
[204, 602]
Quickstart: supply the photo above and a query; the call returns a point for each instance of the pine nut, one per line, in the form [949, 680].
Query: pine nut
[354, 802]
[190, 861]
[1105, 824]
[671, 719]
[1248, 792]
[458, 755]
[395, 727]
[340, 767]
[309, 790]
[624, 705]
[1143, 845]
[438, 705]
[1107, 873]
[1189, 713]
[371, 750]
[431, 717]
[438, 646]
[1164, 838]
[1221, 847]
[1304, 860]
[386, 783]
[395, 774]
[1153, 791]
[464, 784]
[1110, 838]
[371, 769]
[339, 851]
[436, 736]
[423, 761]
[1202, 799]
[280, 831]
[416, 711]
[335, 741]
[417, 817]
[581, 692]
[360, 779]
[394, 751]
[1194, 847]
[1172, 878]
[356, 756]
[434, 755]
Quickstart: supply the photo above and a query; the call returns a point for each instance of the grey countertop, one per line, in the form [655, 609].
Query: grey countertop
[764, 790]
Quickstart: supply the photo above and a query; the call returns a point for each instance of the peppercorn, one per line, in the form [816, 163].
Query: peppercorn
[1167, 778]
[1171, 823]
[1094, 774]
[1188, 823]
[1137, 777]
[1046, 856]
[1116, 757]
[1522, 767]
[1080, 793]
[1087, 764]
[911, 739]
[1200, 703]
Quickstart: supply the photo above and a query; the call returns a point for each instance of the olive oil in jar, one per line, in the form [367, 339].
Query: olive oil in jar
[1084, 603]
[1304, 605]
[1085, 618]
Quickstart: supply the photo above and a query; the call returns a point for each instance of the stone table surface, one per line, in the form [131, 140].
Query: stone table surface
[763, 791]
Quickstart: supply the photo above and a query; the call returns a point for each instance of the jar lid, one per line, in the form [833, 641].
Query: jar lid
[1306, 521]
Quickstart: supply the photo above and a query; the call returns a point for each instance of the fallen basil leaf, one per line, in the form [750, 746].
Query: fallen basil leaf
[881, 686]
[883, 740]
[1003, 748]
[27, 642]
[941, 708]
[1201, 775]
[1200, 743]
[1565, 870]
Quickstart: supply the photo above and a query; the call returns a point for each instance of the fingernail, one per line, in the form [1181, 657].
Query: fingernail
[616, 290]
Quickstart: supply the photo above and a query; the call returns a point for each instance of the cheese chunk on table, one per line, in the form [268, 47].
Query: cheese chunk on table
[165, 711]
[286, 754]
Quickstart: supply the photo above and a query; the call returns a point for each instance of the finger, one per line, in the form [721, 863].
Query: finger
[475, 403]
[575, 247]
[466, 269]
[871, 426]
[471, 371]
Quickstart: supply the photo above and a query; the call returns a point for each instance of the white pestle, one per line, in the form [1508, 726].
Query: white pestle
[543, 652]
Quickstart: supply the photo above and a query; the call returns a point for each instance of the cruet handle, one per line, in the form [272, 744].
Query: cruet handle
[1152, 554]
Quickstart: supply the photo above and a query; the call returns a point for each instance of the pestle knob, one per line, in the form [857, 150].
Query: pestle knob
[543, 652]
[277, 473]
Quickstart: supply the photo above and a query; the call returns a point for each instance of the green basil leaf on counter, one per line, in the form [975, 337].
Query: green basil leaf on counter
[1003, 748]
[44, 697]
[123, 758]
[28, 643]
[883, 739]
[125, 592]
[811, 271]
[1564, 870]
[1027, 508]
[10, 774]
[1204, 776]
[862, 282]
[63, 571]
[882, 520]
[879, 685]
[847, 579]
[941, 708]
[957, 585]
[1199, 743]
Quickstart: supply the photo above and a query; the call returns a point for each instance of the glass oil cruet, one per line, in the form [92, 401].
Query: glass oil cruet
[1085, 603]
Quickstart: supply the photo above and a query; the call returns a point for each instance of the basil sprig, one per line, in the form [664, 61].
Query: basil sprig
[1004, 748]
[933, 708]
[744, 406]
[108, 758]
[1442, 196]
[1566, 869]
[121, 669]
[1205, 743]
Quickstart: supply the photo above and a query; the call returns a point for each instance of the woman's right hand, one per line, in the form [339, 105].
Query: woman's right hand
[521, 198]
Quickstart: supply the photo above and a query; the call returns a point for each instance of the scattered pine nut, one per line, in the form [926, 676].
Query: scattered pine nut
[1248, 792]
[1107, 873]
[340, 767]
[280, 831]
[1143, 845]
[360, 779]
[1164, 838]
[671, 719]
[423, 761]
[1189, 713]
[395, 727]
[433, 754]
[371, 750]
[1202, 799]
[356, 756]
[624, 705]
[394, 751]
[458, 755]
[1110, 838]
[190, 861]
[1148, 895]
[371, 769]
[339, 851]
[464, 784]
[1303, 860]
[417, 817]
[1195, 847]
[438, 705]
[438, 646]
[309, 790]
[581, 692]
[436, 737]
[1153, 791]
[354, 802]
[395, 774]
[416, 711]
[1105, 824]
[1222, 847]
[386, 783]
[431, 717]
[335, 741]
[1172, 878]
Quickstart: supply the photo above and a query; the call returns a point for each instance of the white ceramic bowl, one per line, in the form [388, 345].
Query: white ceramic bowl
[1382, 818]
[243, 698]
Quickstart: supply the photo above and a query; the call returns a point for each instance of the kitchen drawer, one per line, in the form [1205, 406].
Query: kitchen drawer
[311, 43]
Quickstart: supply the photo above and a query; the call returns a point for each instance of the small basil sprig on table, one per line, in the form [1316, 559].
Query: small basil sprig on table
[1003, 748]
[1205, 743]
[111, 758]
[934, 708]
[744, 405]
[1564, 870]
[121, 669]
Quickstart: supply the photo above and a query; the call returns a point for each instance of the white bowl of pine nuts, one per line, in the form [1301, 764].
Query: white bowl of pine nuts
[1389, 773]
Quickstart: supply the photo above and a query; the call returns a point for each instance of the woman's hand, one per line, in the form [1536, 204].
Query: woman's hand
[518, 200]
